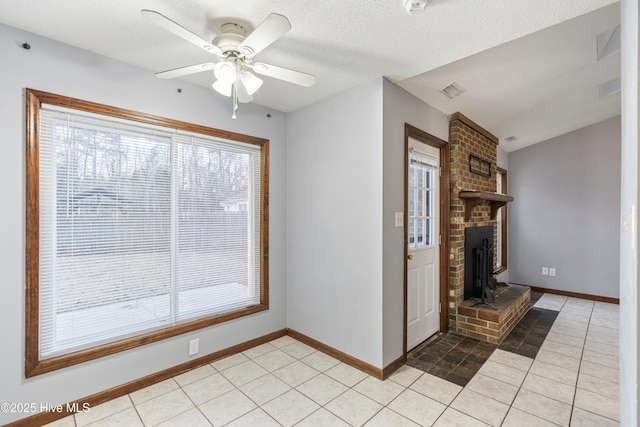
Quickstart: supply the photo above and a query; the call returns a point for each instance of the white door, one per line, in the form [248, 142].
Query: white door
[423, 263]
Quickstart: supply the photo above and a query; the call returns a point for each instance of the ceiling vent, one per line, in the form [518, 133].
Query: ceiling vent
[608, 43]
[452, 90]
[510, 138]
[609, 88]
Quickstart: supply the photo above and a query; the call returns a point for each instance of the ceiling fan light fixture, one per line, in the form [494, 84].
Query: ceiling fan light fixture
[250, 82]
[225, 72]
[234, 50]
[243, 95]
[222, 88]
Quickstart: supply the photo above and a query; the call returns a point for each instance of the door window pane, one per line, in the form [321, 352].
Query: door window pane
[421, 206]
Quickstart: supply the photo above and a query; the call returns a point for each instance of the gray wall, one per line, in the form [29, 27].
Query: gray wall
[58, 68]
[629, 260]
[400, 107]
[334, 227]
[566, 211]
[345, 174]
[502, 159]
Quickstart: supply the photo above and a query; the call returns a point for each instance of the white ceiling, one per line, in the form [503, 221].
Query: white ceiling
[528, 67]
[534, 88]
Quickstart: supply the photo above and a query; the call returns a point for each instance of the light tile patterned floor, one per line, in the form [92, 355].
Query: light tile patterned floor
[572, 382]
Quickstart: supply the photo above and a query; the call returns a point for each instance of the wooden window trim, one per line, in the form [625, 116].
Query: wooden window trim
[503, 217]
[34, 366]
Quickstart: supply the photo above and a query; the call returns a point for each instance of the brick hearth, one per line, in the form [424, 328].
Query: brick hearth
[492, 323]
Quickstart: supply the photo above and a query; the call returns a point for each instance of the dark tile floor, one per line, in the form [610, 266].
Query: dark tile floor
[528, 335]
[535, 296]
[457, 358]
[452, 357]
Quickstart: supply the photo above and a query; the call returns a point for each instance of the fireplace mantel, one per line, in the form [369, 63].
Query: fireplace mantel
[474, 198]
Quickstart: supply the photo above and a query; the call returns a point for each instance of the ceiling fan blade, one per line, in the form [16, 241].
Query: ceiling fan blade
[297, 77]
[270, 30]
[177, 29]
[183, 71]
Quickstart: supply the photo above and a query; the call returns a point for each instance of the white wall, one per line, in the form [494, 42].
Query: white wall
[334, 228]
[566, 211]
[400, 107]
[58, 68]
[629, 320]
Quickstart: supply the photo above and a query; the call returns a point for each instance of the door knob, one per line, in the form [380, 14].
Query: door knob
[410, 256]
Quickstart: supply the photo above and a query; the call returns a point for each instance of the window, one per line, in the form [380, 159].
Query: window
[501, 226]
[422, 171]
[138, 229]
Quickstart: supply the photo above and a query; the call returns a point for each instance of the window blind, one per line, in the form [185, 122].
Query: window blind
[141, 228]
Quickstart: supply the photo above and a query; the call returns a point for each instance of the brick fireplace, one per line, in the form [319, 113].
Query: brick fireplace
[473, 156]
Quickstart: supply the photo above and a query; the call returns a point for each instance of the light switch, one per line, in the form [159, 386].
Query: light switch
[399, 219]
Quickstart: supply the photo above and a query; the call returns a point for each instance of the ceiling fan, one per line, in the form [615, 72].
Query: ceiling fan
[234, 51]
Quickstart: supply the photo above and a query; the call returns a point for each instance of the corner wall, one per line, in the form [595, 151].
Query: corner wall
[566, 211]
[345, 174]
[334, 227]
[400, 107]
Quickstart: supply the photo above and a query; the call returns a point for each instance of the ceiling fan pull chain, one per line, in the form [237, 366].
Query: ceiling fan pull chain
[235, 99]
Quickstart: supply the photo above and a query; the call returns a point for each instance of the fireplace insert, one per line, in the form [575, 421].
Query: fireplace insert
[478, 263]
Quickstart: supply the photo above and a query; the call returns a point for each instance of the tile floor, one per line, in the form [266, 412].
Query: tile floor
[457, 358]
[452, 357]
[530, 333]
[572, 381]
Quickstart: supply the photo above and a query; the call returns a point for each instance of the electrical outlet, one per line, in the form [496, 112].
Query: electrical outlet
[194, 347]
[552, 272]
[545, 271]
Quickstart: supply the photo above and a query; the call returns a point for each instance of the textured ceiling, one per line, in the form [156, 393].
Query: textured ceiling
[534, 88]
[519, 80]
